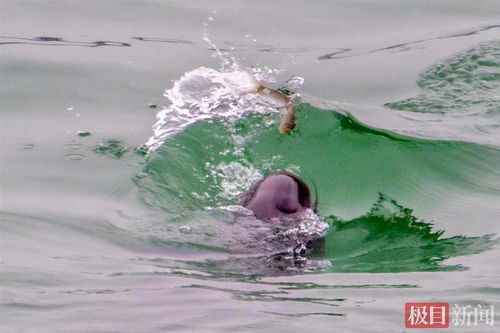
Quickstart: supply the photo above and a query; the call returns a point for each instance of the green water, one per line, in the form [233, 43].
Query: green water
[465, 84]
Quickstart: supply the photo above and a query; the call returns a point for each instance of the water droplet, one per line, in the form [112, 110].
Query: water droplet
[83, 133]
[142, 150]
[269, 122]
[69, 108]
[185, 229]
[210, 18]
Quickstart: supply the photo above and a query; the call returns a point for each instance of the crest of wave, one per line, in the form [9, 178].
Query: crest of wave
[206, 93]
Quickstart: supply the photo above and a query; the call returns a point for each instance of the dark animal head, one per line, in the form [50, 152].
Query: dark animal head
[279, 194]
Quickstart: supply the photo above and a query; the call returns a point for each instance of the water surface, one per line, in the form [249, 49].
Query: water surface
[397, 134]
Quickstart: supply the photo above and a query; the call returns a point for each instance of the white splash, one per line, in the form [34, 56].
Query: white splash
[309, 227]
[205, 93]
[235, 178]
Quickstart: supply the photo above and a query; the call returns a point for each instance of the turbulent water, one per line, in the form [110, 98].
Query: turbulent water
[112, 220]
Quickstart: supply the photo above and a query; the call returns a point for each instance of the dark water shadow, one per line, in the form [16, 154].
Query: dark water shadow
[340, 53]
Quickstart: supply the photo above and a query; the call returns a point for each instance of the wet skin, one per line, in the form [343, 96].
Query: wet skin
[279, 194]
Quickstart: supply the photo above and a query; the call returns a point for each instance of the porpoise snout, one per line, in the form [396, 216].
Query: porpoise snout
[279, 194]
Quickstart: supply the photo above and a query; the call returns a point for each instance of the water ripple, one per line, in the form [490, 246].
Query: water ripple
[57, 41]
[402, 46]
